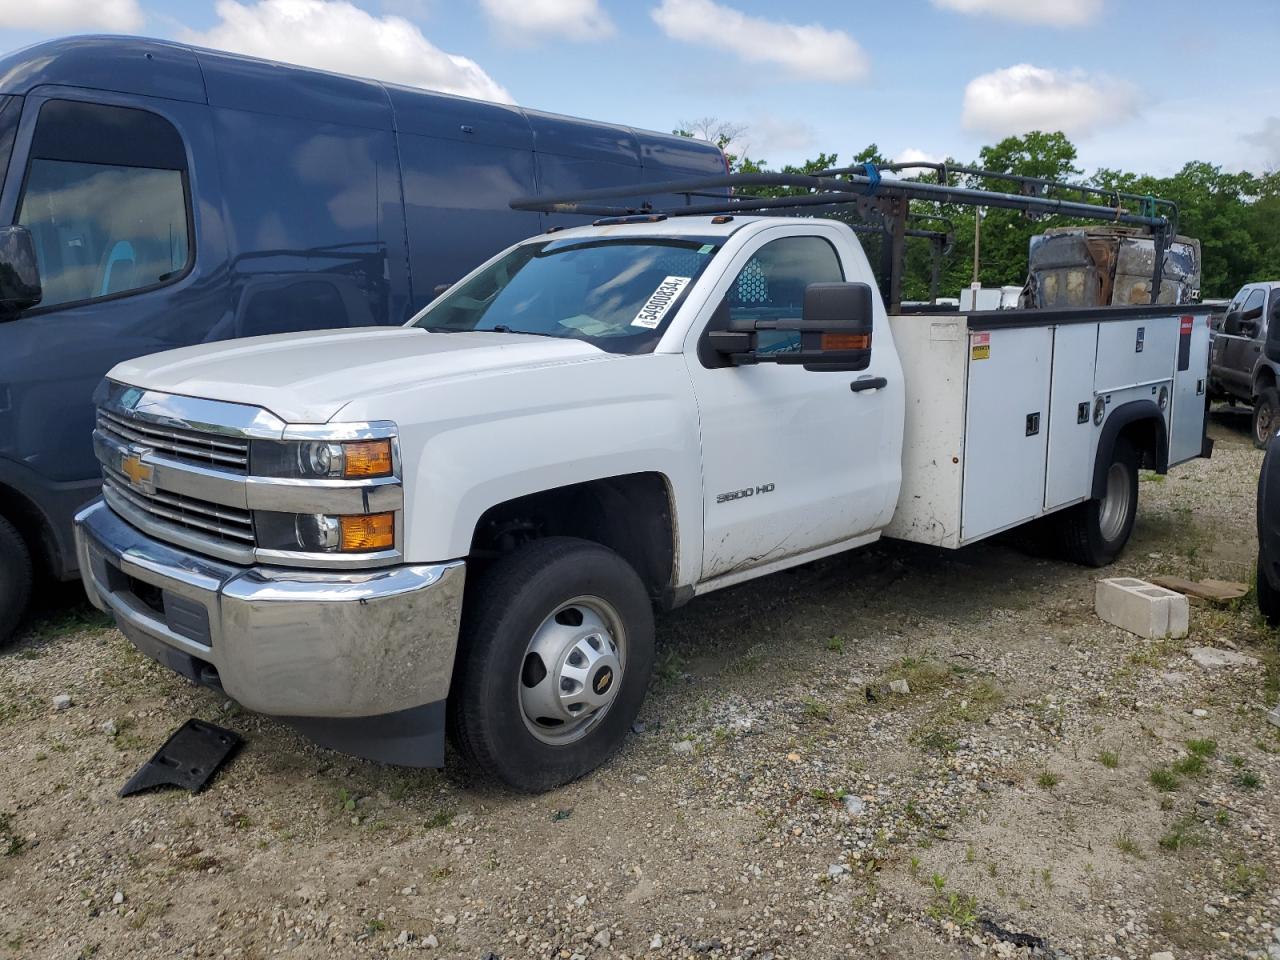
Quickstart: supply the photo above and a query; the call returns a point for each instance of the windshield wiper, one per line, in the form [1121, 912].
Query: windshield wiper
[503, 328]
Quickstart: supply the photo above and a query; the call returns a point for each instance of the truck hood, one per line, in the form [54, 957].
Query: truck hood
[309, 377]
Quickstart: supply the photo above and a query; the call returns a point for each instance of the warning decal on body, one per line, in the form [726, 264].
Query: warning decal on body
[656, 307]
[979, 346]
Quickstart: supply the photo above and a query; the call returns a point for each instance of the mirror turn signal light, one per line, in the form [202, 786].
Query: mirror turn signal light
[367, 531]
[367, 458]
[846, 341]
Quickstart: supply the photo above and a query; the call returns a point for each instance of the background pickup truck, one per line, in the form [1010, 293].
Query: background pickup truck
[468, 521]
[1239, 368]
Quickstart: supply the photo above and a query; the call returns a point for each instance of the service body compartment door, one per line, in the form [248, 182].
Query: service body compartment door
[1135, 353]
[1187, 433]
[1006, 428]
[1072, 435]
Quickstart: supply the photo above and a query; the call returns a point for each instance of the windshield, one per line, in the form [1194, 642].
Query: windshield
[617, 294]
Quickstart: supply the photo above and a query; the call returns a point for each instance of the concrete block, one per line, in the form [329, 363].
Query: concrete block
[1274, 717]
[1142, 608]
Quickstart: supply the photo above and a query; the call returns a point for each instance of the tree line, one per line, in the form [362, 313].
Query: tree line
[1235, 216]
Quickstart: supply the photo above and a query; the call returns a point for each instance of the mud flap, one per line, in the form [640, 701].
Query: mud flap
[188, 759]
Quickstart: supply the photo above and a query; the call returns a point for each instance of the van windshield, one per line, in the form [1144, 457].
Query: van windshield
[617, 294]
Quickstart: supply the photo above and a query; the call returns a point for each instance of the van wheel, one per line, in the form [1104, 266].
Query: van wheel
[1266, 416]
[1268, 596]
[554, 660]
[15, 578]
[1094, 532]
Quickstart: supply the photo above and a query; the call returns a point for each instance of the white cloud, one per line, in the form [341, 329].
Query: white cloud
[810, 51]
[336, 35]
[916, 155]
[52, 16]
[1022, 98]
[1267, 142]
[1057, 13]
[772, 136]
[564, 19]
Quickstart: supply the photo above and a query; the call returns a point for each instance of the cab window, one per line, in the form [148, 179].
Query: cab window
[771, 286]
[106, 200]
[1256, 300]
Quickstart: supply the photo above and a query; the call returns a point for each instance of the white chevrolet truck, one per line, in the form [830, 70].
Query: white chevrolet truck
[468, 522]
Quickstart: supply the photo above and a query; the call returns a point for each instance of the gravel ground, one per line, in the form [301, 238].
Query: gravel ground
[1047, 776]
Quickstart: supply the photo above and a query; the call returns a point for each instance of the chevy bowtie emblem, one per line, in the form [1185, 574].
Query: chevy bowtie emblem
[141, 475]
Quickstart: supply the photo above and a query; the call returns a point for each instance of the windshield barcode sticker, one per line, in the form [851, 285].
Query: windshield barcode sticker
[656, 307]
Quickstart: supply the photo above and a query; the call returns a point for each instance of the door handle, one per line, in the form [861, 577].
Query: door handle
[868, 383]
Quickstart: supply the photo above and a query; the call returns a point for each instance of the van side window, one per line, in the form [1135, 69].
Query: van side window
[106, 200]
[771, 286]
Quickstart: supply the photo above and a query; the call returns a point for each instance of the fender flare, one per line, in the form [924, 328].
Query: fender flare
[1262, 373]
[1135, 411]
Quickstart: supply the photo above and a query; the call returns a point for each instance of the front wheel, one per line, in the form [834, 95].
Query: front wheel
[1266, 416]
[15, 578]
[553, 663]
[1268, 596]
[1094, 532]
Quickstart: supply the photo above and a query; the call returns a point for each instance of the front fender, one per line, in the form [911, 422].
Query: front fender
[497, 438]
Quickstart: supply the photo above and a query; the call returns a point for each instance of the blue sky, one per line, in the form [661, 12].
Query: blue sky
[1134, 88]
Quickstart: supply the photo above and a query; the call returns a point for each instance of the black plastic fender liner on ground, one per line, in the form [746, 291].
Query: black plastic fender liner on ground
[1134, 411]
[188, 759]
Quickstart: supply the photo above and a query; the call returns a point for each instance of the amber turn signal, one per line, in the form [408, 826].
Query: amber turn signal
[846, 341]
[368, 531]
[367, 458]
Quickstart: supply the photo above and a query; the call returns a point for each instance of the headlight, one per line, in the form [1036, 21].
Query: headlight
[324, 533]
[323, 459]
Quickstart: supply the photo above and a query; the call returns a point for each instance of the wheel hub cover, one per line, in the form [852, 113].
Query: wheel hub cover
[572, 672]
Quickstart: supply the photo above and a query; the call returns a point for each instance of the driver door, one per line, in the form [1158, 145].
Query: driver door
[792, 460]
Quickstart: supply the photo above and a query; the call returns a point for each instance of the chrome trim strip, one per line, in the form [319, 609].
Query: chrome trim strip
[289, 495]
[352, 430]
[328, 561]
[217, 417]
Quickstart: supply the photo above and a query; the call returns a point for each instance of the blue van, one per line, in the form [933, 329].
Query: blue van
[172, 195]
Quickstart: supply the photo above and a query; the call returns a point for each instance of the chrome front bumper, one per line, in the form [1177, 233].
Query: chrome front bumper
[292, 643]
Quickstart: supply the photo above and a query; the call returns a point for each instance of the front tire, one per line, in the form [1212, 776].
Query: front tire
[15, 578]
[554, 660]
[1094, 532]
[1268, 596]
[1266, 416]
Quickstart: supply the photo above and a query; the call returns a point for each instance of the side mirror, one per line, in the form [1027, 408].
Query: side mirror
[19, 272]
[834, 327]
[1231, 322]
[1249, 321]
[837, 325]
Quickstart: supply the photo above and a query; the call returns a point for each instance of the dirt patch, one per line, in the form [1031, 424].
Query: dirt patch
[1041, 773]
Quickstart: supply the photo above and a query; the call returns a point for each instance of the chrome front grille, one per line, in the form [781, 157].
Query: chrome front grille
[177, 468]
[178, 443]
[208, 519]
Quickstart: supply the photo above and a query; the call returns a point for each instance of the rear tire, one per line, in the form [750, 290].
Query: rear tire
[1094, 532]
[1268, 596]
[1266, 416]
[557, 615]
[15, 578]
